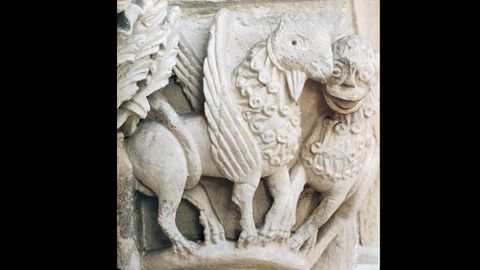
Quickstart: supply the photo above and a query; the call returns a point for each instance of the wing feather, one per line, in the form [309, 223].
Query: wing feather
[190, 74]
[234, 149]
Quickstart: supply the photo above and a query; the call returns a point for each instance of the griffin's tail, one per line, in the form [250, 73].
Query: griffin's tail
[164, 113]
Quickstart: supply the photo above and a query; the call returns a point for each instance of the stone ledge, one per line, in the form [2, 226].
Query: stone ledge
[225, 3]
[226, 256]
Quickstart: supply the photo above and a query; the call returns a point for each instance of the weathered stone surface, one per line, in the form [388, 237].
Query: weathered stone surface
[369, 216]
[340, 254]
[187, 222]
[367, 20]
[220, 194]
[367, 24]
[251, 131]
[127, 213]
[227, 256]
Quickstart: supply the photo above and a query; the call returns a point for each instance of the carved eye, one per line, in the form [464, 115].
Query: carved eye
[296, 41]
[338, 69]
[338, 73]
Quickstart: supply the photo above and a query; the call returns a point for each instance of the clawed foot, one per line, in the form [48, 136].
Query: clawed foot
[298, 239]
[247, 238]
[269, 234]
[295, 242]
[301, 235]
[215, 235]
[277, 229]
[310, 243]
[213, 229]
[184, 248]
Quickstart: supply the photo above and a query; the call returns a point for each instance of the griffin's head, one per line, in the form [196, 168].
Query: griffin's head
[302, 49]
[353, 70]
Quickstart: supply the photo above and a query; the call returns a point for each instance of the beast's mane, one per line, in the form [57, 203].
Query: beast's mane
[328, 144]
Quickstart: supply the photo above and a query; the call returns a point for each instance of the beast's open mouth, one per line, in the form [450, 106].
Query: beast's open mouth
[342, 106]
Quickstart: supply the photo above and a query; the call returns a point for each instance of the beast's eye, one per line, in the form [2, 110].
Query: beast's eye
[338, 70]
[338, 73]
[296, 41]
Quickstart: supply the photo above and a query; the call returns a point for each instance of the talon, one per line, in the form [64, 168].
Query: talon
[218, 237]
[268, 234]
[294, 243]
[214, 233]
[282, 236]
[295, 246]
[246, 239]
[184, 249]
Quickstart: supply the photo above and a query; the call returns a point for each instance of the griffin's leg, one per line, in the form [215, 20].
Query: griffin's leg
[278, 185]
[169, 186]
[320, 215]
[169, 189]
[167, 208]
[213, 229]
[159, 162]
[243, 197]
[297, 184]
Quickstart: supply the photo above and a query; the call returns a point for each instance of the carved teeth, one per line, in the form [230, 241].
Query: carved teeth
[295, 80]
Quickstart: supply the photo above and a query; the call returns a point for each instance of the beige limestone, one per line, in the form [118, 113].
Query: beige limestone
[225, 115]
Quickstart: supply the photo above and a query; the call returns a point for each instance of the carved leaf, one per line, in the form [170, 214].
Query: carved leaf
[234, 149]
[145, 59]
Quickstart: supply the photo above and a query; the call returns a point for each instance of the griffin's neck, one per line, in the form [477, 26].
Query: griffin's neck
[271, 114]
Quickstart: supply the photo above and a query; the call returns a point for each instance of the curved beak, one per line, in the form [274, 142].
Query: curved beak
[321, 72]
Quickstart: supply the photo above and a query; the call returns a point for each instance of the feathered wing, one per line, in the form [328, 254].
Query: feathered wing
[190, 74]
[234, 149]
[145, 58]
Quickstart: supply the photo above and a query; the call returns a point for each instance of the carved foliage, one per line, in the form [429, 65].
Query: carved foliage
[144, 61]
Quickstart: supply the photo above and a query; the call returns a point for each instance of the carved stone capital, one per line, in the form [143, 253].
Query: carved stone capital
[260, 149]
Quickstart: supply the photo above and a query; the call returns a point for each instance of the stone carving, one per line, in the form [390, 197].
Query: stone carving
[341, 148]
[189, 70]
[244, 136]
[245, 126]
[146, 52]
